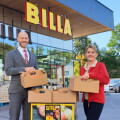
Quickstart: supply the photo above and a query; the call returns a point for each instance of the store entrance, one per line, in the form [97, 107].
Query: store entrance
[57, 75]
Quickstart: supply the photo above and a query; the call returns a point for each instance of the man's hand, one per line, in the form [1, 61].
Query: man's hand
[85, 76]
[30, 69]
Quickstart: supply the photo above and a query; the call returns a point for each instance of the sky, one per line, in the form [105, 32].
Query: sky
[114, 5]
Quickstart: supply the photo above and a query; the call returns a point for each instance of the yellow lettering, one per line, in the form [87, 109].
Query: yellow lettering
[47, 107]
[51, 21]
[31, 14]
[58, 24]
[67, 28]
[49, 117]
[43, 17]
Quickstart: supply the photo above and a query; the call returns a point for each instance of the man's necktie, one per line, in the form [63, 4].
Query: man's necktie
[26, 56]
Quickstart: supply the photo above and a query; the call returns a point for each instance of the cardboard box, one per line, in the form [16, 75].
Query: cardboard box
[36, 96]
[28, 80]
[7, 77]
[90, 85]
[64, 95]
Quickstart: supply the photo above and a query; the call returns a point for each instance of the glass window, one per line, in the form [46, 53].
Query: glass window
[68, 66]
[34, 37]
[54, 55]
[68, 45]
[57, 43]
[53, 42]
[9, 45]
[33, 48]
[44, 40]
[1, 48]
[44, 58]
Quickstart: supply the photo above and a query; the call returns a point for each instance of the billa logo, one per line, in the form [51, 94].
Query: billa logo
[32, 16]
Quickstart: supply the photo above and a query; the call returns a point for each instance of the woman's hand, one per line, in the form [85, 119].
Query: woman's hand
[85, 76]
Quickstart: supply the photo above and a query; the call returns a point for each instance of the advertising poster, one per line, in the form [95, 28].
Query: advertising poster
[52, 111]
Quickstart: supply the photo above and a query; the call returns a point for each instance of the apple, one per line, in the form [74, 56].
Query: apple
[42, 110]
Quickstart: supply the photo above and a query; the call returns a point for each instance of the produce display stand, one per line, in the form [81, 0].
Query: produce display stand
[51, 111]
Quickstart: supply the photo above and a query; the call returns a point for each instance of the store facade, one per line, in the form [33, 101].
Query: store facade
[53, 46]
[54, 55]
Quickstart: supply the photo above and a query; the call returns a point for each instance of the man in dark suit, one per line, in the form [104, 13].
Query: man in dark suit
[17, 61]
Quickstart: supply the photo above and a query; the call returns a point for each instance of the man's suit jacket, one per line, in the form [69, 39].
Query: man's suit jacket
[14, 65]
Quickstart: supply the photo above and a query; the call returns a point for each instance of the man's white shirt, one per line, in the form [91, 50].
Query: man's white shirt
[22, 52]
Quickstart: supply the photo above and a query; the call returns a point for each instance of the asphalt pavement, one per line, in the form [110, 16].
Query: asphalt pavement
[111, 110]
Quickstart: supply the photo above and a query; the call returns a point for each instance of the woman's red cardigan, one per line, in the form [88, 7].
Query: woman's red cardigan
[100, 73]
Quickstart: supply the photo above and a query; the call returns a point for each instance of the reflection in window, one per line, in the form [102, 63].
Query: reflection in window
[33, 48]
[1, 48]
[8, 46]
[1, 60]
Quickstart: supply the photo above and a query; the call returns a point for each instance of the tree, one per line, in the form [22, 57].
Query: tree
[111, 61]
[6, 48]
[80, 44]
[79, 47]
[112, 56]
[114, 43]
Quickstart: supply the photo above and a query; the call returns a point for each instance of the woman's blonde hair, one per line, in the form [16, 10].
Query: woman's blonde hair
[91, 46]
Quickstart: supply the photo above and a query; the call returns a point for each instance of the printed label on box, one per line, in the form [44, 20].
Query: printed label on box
[52, 111]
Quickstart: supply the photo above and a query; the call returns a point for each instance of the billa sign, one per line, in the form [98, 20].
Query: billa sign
[32, 15]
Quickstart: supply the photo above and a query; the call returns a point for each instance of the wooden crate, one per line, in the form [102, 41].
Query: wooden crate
[4, 96]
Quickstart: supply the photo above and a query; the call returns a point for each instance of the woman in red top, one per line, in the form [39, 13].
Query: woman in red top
[93, 102]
